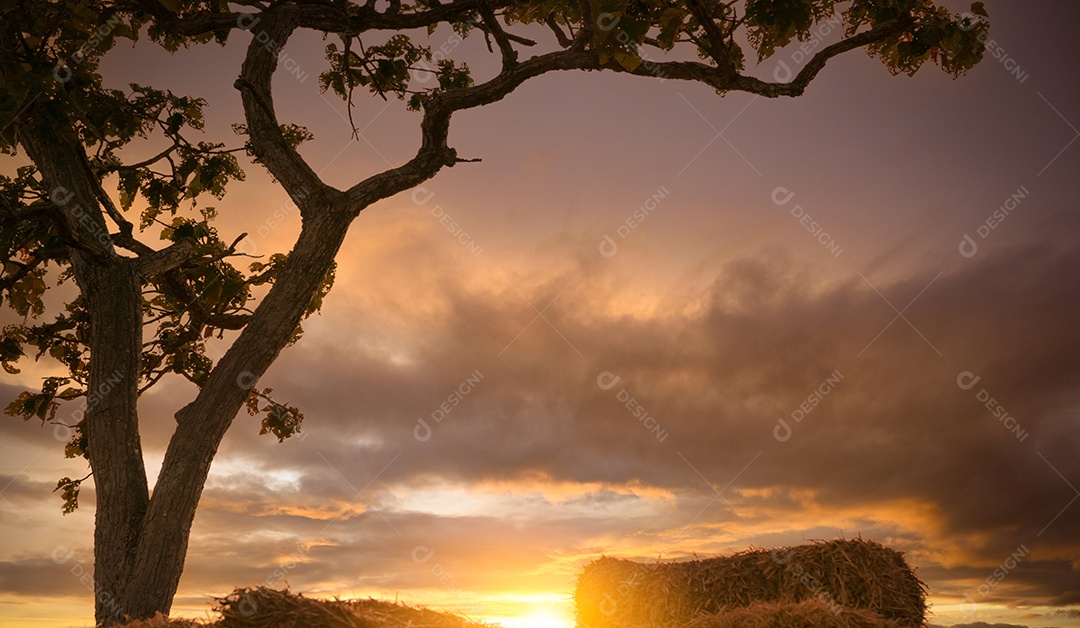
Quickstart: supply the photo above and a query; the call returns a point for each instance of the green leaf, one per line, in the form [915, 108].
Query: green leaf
[69, 492]
[627, 60]
[195, 187]
[670, 23]
[18, 406]
[70, 393]
[282, 421]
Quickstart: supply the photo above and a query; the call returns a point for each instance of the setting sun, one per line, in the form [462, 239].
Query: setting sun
[539, 313]
[531, 610]
[538, 620]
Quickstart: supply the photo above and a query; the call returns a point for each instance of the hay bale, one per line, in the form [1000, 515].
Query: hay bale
[855, 575]
[269, 608]
[805, 614]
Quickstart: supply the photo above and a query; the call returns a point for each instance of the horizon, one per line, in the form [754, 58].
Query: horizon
[652, 323]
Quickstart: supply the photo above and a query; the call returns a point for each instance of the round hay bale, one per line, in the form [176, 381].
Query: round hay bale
[805, 614]
[856, 575]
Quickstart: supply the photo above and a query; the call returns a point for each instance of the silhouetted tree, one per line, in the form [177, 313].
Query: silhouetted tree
[141, 312]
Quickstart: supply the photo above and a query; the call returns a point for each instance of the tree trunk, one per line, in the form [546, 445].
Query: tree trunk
[112, 289]
[114, 298]
[141, 541]
[202, 424]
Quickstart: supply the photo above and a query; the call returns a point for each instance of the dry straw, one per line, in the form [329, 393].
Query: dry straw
[794, 615]
[269, 608]
[851, 580]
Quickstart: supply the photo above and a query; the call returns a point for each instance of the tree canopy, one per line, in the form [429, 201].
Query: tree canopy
[120, 200]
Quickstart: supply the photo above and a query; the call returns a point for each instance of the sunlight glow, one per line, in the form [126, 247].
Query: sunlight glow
[512, 499]
[536, 620]
[531, 610]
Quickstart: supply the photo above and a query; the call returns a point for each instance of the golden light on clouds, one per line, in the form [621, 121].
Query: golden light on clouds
[718, 313]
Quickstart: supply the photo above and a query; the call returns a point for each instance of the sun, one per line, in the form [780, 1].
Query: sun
[545, 609]
[535, 620]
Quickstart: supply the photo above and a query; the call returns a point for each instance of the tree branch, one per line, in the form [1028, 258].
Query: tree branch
[80, 222]
[585, 35]
[509, 55]
[26, 212]
[144, 163]
[797, 85]
[24, 270]
[200, 24]
[191, 303]
[152, 263]
[560, 36]
[267, 139]
[324, 17]
[125, 226]
[717, 49]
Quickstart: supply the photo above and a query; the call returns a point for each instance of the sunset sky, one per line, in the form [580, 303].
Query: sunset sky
[651, 322]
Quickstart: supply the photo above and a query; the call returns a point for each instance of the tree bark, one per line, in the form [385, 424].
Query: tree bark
[202, 424]
[140, 542]
[114, 297]
[112, 288]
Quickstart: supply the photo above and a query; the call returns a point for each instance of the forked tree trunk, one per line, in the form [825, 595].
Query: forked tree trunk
[140, 542]
[162, 548]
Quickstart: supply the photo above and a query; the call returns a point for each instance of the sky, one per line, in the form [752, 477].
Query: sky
[652, 322]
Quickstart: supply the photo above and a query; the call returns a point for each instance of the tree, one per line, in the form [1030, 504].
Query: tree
[142, 313]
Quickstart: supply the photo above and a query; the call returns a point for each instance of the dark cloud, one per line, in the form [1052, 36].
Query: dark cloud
[21, 488]
[719, 317]
[726, 376]
[67, 575]
[897, 428]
